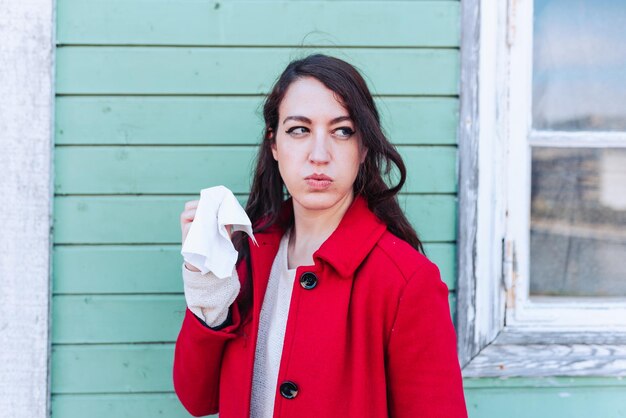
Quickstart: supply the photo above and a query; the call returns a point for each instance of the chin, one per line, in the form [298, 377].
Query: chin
[318, 200]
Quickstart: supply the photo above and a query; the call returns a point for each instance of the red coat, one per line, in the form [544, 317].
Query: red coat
[373, 337]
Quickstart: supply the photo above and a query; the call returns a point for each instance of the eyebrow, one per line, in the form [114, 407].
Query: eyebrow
[307, 120]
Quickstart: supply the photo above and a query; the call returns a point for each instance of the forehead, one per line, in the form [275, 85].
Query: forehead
[311, 98]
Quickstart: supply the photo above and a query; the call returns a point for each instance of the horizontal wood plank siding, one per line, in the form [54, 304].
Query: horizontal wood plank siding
[140, 170]
[232, 23]
[154, 219]
[161, 70]
[124, 269]
[227, 120]
[553, 397]
[146, 318]
[158, 99]
[125, 405]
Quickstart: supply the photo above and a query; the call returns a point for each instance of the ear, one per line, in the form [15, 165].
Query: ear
[272, 139]
[274, 150]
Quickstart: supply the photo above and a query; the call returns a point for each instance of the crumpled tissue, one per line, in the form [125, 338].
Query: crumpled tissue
[207, 245]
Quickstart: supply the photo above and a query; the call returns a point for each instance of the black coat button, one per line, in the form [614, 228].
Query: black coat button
[308, 280]
[288, 389]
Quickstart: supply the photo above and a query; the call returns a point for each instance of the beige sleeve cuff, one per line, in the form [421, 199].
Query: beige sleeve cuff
[208, 296]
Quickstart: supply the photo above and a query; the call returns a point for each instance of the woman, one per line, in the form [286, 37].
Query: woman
[338, 313]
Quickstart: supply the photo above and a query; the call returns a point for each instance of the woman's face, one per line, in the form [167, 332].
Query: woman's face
[316, 147]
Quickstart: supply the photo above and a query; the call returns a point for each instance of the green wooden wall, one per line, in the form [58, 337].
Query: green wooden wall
[158, 99]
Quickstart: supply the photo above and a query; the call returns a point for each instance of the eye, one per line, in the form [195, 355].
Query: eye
[344, 132]
[296, 131]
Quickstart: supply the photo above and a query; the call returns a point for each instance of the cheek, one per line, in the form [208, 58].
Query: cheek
[282, 150]
[288, 168]
[289, 154]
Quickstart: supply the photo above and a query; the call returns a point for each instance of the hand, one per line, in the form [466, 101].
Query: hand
[186, 219]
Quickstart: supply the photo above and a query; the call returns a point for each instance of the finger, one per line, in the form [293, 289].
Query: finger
[188, 215]
[185, 231]
[191, 204]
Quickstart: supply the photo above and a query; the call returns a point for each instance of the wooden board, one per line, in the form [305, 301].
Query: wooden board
[219, 70]
[112, 368]
[143, 405]
[140, 22]
[155, 219]
[117, 318]
[570, 402]
[108, 319]
[226, 120]
[156, 269]
[187, 170]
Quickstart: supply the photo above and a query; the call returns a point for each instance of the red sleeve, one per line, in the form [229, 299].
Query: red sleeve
[198, 359]
[423, 372]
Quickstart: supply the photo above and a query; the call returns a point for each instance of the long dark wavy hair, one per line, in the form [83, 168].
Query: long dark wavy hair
[374, 176]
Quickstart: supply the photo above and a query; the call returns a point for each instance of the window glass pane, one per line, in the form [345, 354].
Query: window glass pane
[578, 222]
[579, 65]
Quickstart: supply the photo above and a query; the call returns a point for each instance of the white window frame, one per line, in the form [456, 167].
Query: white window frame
[501, 331]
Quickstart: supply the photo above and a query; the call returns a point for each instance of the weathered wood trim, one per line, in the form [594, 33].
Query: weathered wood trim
[589, 139]
[482, 134]
[511, 336]
[541, 354]
[468, 181]
[26, 100]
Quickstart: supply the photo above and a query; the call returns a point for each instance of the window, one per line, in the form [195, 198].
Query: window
[578, 190]
[542, 233]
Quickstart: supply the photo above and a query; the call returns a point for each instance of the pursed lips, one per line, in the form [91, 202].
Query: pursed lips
[318, 181]
[318, 177]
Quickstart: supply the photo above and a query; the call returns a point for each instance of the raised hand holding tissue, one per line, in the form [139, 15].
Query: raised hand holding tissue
[207, 245]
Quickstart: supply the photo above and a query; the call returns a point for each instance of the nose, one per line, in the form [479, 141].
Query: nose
[320, 154]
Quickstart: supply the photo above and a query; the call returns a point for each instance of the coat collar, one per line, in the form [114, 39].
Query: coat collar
[345, 249]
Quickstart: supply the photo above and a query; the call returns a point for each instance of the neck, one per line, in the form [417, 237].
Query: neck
[312, 228]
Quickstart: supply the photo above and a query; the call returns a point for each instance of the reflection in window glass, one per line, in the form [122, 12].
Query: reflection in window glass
[578, 222]
[579, 65]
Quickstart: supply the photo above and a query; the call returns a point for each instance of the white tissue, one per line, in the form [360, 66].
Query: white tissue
[207, 245]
